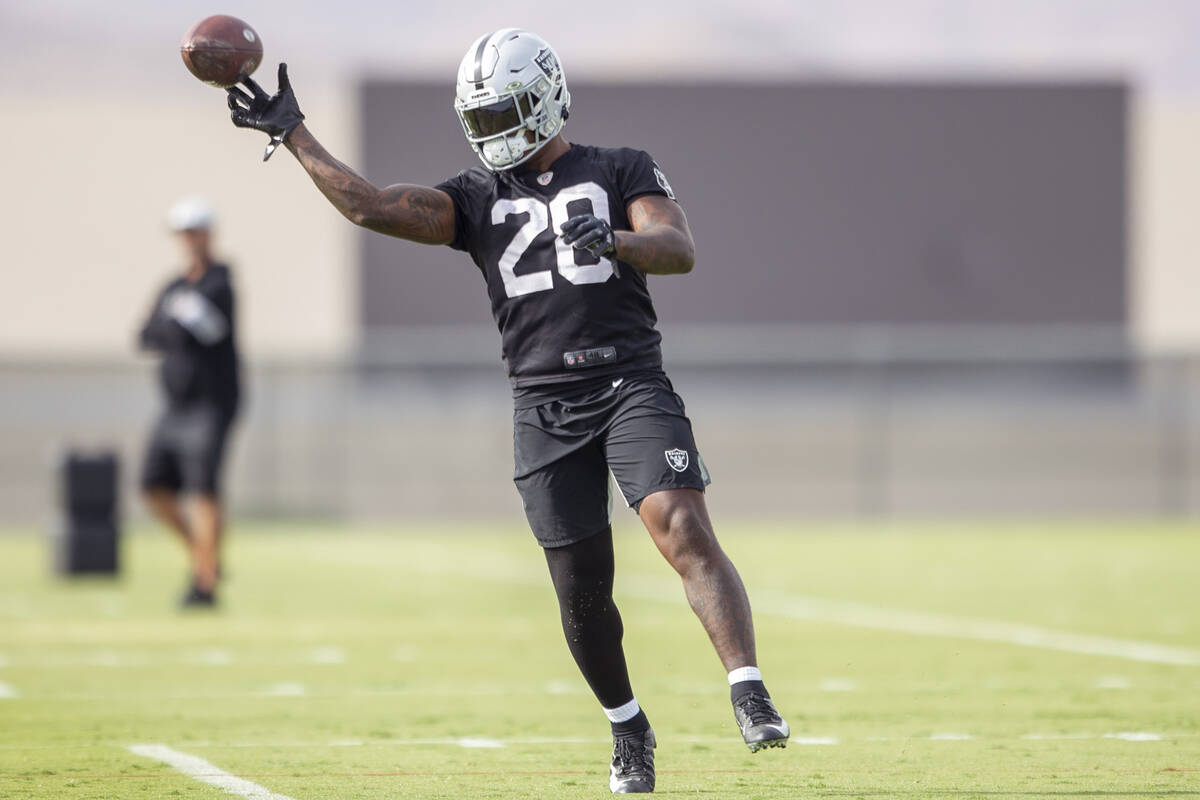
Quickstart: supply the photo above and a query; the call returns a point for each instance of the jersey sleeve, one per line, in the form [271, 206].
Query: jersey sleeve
[638, 174]
[463, 191]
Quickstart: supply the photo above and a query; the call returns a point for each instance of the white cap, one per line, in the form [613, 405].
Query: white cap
[190, 213]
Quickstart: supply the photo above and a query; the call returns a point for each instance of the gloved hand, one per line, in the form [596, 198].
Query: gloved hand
[276, 115]
[591, 233]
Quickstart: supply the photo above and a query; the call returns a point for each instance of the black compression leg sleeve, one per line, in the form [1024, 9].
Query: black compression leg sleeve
[583, 579]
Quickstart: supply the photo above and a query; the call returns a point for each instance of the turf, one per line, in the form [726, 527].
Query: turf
[426, 662]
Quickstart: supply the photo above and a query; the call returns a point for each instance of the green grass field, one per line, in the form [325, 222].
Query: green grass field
[427, 663]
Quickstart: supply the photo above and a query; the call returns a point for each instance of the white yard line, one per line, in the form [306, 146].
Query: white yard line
[1112, 682]
[503, 568]
[327, 655]
[1135, 736]
[405, 653]
[201, 770]
[566, 687]
[1053, 737]
[109, 658]
[479, 743]
[216, 657]
[862, 615]
[804, 741]
[135, 658]
[485, 742]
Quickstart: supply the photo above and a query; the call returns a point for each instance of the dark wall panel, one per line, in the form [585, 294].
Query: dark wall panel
[818, 203]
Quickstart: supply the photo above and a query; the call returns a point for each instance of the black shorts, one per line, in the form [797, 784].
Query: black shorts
[186, 449]
[636, 427]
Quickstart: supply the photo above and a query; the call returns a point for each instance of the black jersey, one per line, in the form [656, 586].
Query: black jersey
[564, 315]
[192, 326]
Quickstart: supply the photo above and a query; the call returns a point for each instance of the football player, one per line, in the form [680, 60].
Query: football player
[564, 235]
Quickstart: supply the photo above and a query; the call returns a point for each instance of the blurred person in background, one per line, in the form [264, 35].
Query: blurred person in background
[191, 328]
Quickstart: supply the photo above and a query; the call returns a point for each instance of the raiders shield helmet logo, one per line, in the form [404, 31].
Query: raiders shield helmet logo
[547, 63]
[677, 459]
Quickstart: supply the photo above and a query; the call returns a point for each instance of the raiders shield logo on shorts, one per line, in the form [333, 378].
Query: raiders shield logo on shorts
[677, 459]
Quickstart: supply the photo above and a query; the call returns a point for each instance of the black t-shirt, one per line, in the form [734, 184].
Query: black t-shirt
[564, 316]
[192, 326]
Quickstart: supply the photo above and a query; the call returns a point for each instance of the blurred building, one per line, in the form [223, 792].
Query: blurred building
[947, 252]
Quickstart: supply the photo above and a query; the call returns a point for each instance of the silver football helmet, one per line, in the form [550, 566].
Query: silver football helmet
[511, 97]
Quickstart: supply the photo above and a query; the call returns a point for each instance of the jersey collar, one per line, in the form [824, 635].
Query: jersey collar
[529, 177]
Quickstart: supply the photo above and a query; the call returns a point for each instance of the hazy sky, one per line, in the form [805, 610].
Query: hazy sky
[48, 42]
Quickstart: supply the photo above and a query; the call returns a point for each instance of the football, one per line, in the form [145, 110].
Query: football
[220, 50]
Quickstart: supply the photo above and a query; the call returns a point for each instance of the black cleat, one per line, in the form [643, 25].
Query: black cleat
[195, 597]
[632, 769]
[760, 723]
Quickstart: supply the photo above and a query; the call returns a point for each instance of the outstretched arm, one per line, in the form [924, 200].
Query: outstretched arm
[417, 213]
[660, 242]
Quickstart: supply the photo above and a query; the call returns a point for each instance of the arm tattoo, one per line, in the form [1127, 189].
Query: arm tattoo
[660, 242]
[417, 213]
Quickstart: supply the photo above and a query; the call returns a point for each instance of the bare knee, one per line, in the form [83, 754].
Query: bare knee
[679, 524]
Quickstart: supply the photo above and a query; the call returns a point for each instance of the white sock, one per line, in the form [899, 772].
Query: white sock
[744, 674]
[623, 713]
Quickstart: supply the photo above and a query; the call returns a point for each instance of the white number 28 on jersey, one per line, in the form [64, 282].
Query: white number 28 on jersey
[552, 215]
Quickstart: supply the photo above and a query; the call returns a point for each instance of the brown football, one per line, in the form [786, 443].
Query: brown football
[220, 50]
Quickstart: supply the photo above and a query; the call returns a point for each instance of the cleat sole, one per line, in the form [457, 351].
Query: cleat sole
[756, 746]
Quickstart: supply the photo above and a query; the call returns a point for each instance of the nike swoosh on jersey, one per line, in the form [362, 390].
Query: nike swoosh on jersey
[617, 382]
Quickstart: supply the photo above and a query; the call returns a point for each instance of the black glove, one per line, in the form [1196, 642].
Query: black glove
[589, 232]
[276, 115]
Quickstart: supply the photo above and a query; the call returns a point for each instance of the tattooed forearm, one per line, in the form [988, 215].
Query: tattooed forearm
[413, 212]
[660, 242]
[410, 212]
